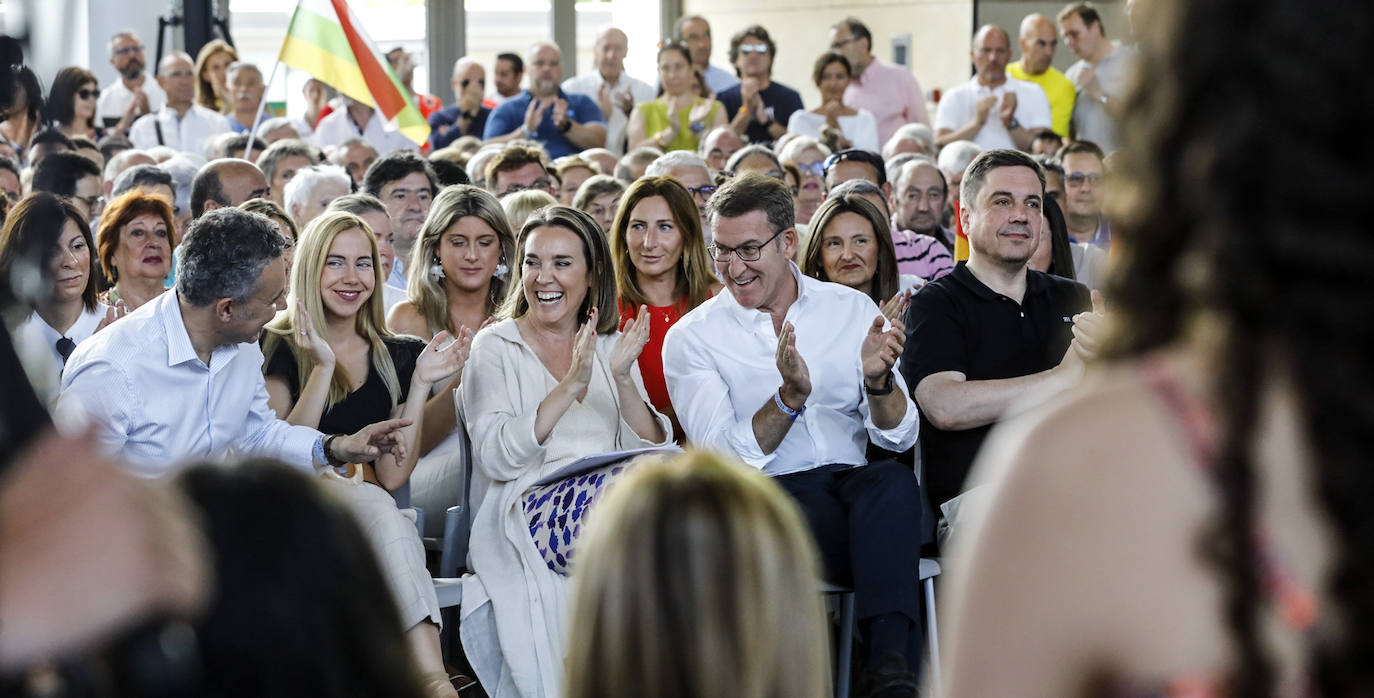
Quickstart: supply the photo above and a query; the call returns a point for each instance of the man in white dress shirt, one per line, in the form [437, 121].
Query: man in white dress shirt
[133, 94]
[615, 92]
[180, 125]
[181, 377]
[358, 119]
[796, 376]
[695, 31]
[992, 110]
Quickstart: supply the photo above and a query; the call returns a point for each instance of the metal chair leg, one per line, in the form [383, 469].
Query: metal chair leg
[846, 648]
[932, 634]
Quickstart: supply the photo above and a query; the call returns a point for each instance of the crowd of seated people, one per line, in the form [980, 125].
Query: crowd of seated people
[1000, 327]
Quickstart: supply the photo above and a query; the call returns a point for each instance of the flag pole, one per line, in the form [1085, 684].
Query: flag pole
[262, 105]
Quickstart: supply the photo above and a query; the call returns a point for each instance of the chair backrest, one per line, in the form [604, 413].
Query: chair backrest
[458, 519]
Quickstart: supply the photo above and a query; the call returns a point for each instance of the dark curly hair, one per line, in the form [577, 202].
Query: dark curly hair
[1279, 264]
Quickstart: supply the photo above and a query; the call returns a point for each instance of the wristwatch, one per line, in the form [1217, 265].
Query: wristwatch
[885, 390]
[1013, 124]
[564, 125]
[329, 454]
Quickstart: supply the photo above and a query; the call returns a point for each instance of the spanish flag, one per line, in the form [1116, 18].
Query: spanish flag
[326, 40]
[960, 250]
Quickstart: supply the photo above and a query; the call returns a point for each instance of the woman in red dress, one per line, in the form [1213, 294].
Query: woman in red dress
[661, 263]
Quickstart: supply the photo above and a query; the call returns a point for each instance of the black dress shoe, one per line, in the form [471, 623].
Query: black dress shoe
[891, 678]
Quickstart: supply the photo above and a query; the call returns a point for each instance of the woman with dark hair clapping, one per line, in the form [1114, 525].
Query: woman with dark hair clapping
[550, 383]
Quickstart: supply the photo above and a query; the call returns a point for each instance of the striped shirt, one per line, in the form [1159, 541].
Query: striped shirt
[921, 255]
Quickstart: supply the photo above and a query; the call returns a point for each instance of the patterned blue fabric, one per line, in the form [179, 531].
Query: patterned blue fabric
[555, 512]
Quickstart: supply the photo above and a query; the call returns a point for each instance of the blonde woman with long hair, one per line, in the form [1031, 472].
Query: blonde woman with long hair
[458, 274]
[331, 364]
[697, 579]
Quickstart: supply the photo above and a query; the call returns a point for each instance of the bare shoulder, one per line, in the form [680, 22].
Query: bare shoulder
[1089, 496]
[405, 318]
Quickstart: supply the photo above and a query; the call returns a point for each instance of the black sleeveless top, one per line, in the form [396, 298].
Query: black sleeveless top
[367, 405]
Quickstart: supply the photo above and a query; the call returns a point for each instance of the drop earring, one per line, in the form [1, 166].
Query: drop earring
[436, 271]
[502, 271]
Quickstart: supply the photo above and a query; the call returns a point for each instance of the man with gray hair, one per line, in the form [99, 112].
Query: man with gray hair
[355, 155]
[183, 170]
[181, 379]
[993, 337]
[719, 145]
[311, 191]
[954, 159]
[282, 160]
[180, 124]
[910, 138]
[692, 171]
[745, 367]
[277, 128]
[150, 179]
[633, 165]
[133, 94]
[615, 92]
[122, 161]
[919, 193]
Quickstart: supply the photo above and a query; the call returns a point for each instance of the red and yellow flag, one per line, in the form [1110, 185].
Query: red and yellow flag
[326, 40]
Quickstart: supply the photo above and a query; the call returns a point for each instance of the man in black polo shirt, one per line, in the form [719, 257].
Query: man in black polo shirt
[992, 334]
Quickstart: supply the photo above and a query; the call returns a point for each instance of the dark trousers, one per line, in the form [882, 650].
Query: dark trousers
[867, 524]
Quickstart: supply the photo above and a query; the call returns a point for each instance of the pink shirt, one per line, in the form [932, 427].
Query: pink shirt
[891, 93]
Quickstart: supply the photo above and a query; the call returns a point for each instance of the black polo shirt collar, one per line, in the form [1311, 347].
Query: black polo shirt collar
[1036, 284]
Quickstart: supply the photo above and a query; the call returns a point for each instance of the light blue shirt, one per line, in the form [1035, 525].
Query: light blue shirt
[156, 405]
[718, 79]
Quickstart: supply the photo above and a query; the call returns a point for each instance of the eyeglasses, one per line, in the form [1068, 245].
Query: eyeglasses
[753, 48]
[88, 94]
[703, 192]
[1078, 178]
[481, 82]
[128, 50]
[542, 184]
[815, 169]
[65, 346]
[842, 43]
[748, 252]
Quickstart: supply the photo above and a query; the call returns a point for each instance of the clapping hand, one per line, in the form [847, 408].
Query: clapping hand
[584, 353]
[796, 377]
[560, 110]
[308, 339]
[630, 344]
[983, 108]
[112, 313]
[534, 115]
[438, 362]
[882, 348]
[894, 308]
[1008, 110]
[1089, 327]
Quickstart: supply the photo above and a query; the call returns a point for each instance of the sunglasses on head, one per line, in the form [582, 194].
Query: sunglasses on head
[753, 48]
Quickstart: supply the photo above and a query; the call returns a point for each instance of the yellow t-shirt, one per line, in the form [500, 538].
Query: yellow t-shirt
[1058, 88]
